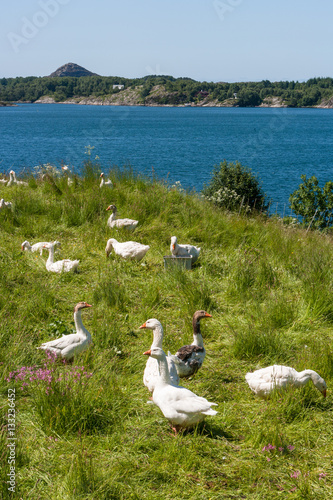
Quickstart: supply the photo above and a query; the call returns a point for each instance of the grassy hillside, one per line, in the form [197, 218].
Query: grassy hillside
[85, 431]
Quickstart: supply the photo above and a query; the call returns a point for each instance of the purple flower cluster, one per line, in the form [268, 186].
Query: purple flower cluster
[271, 447]
[33, 374]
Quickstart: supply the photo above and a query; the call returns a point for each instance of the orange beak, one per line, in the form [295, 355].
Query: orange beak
[173, 247]
[208, 315]
[143, 326]
[88, 305]
[324, 393]
[147, 353]
[108, 208]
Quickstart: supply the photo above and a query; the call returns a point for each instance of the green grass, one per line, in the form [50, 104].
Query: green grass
[269, 290]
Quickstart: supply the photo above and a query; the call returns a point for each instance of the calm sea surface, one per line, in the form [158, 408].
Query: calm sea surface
[180, 144]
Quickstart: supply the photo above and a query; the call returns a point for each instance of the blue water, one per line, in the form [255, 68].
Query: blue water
[179, 144]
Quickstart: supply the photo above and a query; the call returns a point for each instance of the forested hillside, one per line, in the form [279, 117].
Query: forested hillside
[167, 90]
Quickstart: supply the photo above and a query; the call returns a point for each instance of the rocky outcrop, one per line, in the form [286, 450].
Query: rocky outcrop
[71, 69]
[45, 99]
[127, 97]
[326, 103]
[273, 102]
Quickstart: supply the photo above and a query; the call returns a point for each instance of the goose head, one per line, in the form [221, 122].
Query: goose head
[81, 305]
[151, 324]
[25, 245]
[173, 242]
[113, 208]
[157, 328]
[155, 352]
[109, 246]
[201, 314]
[319, 383]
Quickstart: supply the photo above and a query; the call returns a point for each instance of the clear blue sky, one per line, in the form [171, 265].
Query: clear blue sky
[211, 40]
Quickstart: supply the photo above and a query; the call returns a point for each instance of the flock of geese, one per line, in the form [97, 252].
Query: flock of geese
[162, 374]
[9, 182]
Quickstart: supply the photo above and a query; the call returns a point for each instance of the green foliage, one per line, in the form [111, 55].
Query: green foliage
[264, 343]
[248, 98]
[233, 186]
[173, 91]
[313, 203]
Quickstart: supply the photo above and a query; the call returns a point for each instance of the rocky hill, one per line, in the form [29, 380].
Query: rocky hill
[72, 69]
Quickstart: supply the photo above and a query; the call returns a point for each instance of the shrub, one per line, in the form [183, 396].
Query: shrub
[313, 203]
[233, 186]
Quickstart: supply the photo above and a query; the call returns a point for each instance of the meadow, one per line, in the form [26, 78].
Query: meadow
[85, 431]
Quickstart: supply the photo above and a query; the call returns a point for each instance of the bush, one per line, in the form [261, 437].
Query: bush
[313, 203]
[234, 186]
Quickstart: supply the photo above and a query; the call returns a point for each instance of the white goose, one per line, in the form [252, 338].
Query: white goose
[13, 180]
[70, 345]
[5, 204]
[127, 249]
[180, 406]
[125, 223]
[151, 372]
[264, 381]
[104, 182]
[38, 246]
[189, 358]
[184, 250]
[59, 266]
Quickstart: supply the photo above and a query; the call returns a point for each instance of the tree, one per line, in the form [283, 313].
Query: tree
[248, 98]
[233, 185]
[313, 203]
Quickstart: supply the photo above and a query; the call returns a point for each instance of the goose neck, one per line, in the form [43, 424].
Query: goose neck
[163, 370]
[79, 325]
[158, 336]
[304, 377]
[51, 255]
[197, 337]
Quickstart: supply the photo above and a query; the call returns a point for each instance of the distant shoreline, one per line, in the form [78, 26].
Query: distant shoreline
[99, 101]
[165, 91]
